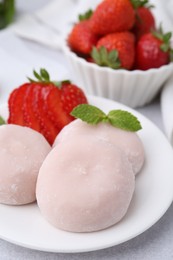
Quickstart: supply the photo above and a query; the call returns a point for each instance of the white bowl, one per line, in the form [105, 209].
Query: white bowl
[132, 88]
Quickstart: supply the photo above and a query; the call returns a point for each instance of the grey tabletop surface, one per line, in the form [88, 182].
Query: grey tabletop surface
[155, 243]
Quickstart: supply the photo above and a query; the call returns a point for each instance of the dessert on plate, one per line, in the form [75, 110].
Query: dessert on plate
[22, 152]
[87, 181]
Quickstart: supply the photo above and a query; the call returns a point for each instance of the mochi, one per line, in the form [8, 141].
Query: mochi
[22, 151]
[85, 184]
[128, 141]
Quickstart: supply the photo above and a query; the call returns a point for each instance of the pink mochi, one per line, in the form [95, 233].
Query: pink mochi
[129, 142]
[22, 151]
[84, 185]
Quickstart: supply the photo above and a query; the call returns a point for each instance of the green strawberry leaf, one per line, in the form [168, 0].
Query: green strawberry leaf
[140, 3]
[88, 113]
[171, 55]
[103, 57]
[60, 83]
[86, 15]
[37, 76]
[113, 59]
[117, 118]
[164, 47]
[96, 55]
[167, 36]
[2, 121]
[124, 120]
[165, 39]
[43, 76]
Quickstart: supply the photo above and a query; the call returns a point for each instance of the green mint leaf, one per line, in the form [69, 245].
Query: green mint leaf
[124, 120]
[45, 75]
[2, 121]
[117, 118]
[89, 114]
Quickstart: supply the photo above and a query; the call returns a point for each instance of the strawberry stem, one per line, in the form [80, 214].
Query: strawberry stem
[141, 3]
[43, 76]
[165, 38]
[86, 15]
[103, 57]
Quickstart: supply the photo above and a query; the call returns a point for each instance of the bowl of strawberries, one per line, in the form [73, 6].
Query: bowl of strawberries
[117, 52]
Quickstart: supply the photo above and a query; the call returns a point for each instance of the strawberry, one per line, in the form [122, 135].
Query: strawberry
[47, 126]
[153, 50]
[56, 112]
[116, 50]
[28, 113]
[144, 21]
[81, 39]
[112, 16]
[71, 96]
[15, 105]
[44, 107]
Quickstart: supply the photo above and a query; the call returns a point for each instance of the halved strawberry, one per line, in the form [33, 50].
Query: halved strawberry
[28, 112]
[54, 108]
[15, 104]
[42, 106]
[71, 96]
[47, 127]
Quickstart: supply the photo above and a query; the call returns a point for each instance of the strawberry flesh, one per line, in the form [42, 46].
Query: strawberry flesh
[15, 104]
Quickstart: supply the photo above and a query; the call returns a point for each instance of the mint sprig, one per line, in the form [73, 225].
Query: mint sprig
[117, 118]
[2, 121]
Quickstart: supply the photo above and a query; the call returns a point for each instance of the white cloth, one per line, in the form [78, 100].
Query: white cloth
[167, 108]
[50, 24]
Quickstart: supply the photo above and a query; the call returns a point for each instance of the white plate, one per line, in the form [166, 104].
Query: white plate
[24, 225]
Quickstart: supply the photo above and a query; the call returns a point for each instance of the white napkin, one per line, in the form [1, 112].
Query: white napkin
[167, 108]
[49, 25]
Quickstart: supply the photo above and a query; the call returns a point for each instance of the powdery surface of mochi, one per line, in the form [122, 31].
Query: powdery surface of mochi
[129, 142]
[85, 185]
[22, 151]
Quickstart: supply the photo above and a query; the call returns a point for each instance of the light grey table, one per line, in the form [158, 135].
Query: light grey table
[157, 242]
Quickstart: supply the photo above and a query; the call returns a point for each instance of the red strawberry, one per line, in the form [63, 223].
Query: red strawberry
[47, 126]
[28, 112]
[16, 105]
[71, 96]
[42, 106]
[116, 50]
[144, 21]
[112, 16]
[153, 50]
[81, 39]
[54, 108]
